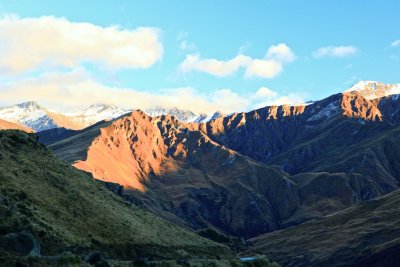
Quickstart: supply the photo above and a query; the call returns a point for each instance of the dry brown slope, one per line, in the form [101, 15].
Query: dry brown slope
[6, 125]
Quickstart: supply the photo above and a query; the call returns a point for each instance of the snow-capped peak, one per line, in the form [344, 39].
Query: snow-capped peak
[31, 105]
[28, 114]
[95, 113]
[180, 114]
[183, 115]
[372, 89]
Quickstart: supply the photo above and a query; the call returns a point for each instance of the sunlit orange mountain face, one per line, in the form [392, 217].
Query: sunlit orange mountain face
[6, 125]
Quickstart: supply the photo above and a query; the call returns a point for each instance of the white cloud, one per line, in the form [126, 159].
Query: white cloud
[267, 97]
[335, 51]
[45, 42]
[395, 43]
[214, 66]
[281, 53]
[265, 92]
[76, 89]
[263, 68]
[268, 67]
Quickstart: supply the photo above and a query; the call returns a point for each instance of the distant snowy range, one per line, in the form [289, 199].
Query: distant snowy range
[32, 115]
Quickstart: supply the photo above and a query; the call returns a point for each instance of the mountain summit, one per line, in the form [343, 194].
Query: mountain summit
[372, 89]
[28, 114]
[95, 113]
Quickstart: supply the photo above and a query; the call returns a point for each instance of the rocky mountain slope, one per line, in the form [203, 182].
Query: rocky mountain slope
[248, 173]
[367, 234]
[161, 165]
[48, 207]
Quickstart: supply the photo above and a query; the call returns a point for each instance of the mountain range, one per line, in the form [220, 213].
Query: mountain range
[303, 184]
[32, 115]
[267, 167]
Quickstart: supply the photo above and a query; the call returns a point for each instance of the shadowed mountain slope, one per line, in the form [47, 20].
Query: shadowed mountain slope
[367, 234]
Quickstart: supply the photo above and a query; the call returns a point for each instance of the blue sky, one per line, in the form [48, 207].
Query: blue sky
[356, 41]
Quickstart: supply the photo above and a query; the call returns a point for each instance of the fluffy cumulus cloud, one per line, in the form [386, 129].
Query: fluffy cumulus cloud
[76, 89]
[281, 53]
[214, 66]
[268, 67]
[265, 92]
[263, 68]
[395, 43]
[335, 51]
[46, 42]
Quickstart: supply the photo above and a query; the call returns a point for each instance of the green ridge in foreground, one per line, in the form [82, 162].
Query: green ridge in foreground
[48, 207]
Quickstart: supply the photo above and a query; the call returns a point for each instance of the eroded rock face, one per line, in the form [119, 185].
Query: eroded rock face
[126, 152]
[192, 176]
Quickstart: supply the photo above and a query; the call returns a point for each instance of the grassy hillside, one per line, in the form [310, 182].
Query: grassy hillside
[367, 234]
[49, 204]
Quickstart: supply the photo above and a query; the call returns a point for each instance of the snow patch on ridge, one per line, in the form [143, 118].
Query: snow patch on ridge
[328, 111]
[372, 89]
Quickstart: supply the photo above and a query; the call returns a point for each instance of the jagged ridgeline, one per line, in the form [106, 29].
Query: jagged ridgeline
[48, 208]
